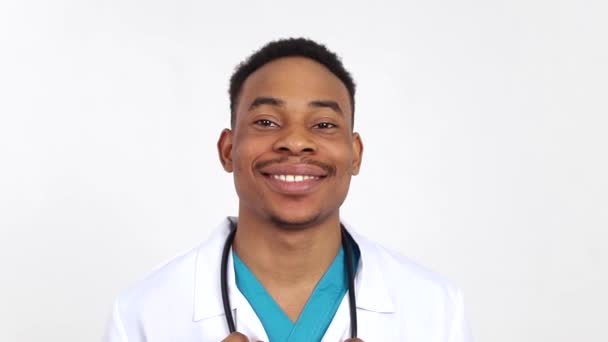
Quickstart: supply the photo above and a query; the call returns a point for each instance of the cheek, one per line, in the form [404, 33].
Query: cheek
[243, 154]
[343, 159]
[246, 153]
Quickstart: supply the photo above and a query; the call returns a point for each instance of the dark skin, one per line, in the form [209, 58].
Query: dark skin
[293, 152]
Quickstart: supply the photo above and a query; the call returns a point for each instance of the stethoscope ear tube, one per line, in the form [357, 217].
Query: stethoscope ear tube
[224, 280]
[350, 274]
[348, 255]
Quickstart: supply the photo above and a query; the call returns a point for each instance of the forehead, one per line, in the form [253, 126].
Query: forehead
[296, 80]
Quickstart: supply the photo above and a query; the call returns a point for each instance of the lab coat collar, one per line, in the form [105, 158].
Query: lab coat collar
[207, 288]
[372, 292]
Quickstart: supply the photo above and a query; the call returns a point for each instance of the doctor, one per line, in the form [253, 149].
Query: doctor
[293, 272]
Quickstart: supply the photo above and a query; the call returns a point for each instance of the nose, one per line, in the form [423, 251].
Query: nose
[295, 141]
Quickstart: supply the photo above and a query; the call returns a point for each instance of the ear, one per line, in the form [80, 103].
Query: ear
[357, 154]
[224, 149]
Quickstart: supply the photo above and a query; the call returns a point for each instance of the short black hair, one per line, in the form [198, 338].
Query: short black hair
[302, 47]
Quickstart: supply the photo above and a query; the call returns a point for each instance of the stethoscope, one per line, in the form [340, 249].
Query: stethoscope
[348, 263]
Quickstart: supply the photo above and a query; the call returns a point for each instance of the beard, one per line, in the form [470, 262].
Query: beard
[296, 224]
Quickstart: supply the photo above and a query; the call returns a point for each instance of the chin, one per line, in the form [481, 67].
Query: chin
[292, 222]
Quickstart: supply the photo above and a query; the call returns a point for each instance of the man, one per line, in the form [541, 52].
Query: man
[292, 273]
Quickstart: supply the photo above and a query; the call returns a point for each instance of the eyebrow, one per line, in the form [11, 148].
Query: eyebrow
[273, 101]
[326, 104]
[266, 100]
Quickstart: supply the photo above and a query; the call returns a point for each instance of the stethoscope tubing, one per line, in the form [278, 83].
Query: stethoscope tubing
[224, 280]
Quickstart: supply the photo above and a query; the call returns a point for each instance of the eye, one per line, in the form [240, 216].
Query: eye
[265, 123]
[325, 125]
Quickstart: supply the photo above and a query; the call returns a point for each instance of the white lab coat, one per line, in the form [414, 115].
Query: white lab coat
[397, 300]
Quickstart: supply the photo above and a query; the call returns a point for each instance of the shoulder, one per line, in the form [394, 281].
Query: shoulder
[405, 268]
[164, 295]
[175, 279]
[418, 299]
[165, 301]
[405, 279]
[171, 281]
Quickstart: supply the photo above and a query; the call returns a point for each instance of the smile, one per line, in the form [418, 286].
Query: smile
[294, 178]
[293, 184]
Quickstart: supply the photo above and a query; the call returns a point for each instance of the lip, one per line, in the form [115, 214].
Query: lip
[315, 174]
[294, 169]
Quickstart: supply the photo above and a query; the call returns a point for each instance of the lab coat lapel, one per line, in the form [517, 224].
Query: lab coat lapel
[208, 306]
[339, 328]
[375, 307]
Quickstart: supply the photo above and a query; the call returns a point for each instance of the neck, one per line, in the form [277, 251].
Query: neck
[284, 257]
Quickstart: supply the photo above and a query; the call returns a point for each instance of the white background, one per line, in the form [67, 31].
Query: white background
[484, 124]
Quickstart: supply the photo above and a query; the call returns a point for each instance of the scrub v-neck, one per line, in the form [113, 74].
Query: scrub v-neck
[317, 313]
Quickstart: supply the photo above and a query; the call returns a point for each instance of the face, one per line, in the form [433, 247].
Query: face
[292, 148]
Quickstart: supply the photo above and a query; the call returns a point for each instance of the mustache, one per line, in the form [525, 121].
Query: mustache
[326, 167]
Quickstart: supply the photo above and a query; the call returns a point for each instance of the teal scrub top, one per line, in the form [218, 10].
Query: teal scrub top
[316, 315]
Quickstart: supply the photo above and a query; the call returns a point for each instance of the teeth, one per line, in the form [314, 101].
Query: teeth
[293, 178]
